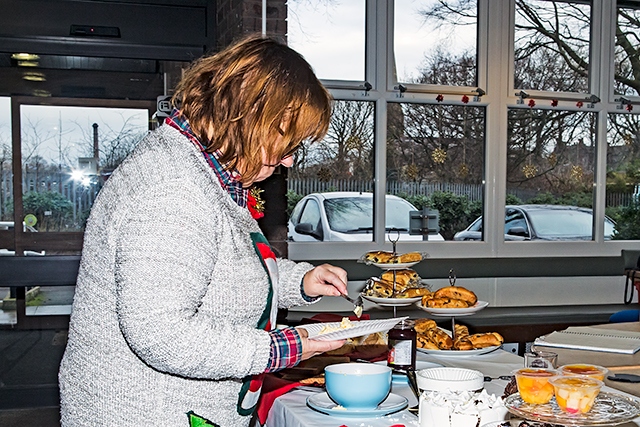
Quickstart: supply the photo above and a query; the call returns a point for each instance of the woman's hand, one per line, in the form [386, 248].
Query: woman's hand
[311, 348]
[325, 279]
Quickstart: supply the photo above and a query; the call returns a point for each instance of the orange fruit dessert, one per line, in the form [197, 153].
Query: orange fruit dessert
[534, 386]
[579, 369]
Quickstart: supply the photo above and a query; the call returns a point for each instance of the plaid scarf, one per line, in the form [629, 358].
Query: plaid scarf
[228, 179]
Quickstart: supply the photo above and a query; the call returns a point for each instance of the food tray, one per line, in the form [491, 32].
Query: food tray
[608, 409]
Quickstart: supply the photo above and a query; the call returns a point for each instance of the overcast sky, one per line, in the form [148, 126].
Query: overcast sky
[329, 33]
[68, 129]
[331, 36]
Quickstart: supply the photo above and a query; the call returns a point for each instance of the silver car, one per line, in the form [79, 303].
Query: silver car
[347, 216]
[542, 222]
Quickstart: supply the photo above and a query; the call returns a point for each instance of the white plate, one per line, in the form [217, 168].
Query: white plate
[455, 311]
[390, 266]
[322, 402]
[391, 302]
[459, 353]
[360, 328]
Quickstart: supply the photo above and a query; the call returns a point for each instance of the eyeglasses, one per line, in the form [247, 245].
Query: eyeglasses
[286, 155]
[291, 152]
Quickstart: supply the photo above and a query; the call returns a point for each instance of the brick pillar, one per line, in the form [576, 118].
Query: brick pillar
[234, 19]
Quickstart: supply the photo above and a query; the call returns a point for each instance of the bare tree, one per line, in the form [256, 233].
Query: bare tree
[5, 173]
[553, 38]
[34, 139]
[347, 150]
[116, 140]
[627, 54]
[554, 150]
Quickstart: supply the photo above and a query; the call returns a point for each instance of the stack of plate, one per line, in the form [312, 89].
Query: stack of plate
[452, 379]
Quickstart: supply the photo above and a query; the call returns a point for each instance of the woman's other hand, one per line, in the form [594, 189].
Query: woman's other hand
[312, 348]
[325, 279]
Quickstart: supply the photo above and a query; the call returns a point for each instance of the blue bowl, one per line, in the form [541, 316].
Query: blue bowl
[358, 386]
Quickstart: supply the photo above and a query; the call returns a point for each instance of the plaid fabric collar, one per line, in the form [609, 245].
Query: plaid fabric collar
[228, 179]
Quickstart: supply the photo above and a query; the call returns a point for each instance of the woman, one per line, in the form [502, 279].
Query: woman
[178, 289]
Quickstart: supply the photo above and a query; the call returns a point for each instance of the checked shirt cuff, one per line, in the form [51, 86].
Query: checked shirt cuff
[286, 349]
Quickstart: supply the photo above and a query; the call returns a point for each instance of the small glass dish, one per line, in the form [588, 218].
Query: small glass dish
[533, 384]
[576, 394]
[584, 370]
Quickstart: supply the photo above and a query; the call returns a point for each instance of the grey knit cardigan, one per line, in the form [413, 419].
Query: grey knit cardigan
[168, 296]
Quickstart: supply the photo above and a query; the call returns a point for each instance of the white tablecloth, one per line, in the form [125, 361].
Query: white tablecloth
[291, 410]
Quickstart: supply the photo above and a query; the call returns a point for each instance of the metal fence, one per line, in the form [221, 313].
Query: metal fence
[81, 196]
[474, 192]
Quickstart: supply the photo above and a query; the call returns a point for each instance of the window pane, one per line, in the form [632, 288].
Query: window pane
[550, 161]
[552, 45]
[330, 35]
[627, 51]
[67, 154]
[6, 170]
[49, 300]
[342, 162]
[435, 159]
[435, 45]
[623, 175]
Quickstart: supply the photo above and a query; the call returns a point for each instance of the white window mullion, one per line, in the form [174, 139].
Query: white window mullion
[603, 29]
[499, 54]
[381, 31]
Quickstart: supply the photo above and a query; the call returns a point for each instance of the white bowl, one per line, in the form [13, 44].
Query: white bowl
[454, 379]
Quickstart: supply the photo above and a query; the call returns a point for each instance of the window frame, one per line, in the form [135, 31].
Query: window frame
[48, 241]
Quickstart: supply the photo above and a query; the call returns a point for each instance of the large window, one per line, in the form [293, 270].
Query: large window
[468, 107]
[486, 110]
[343, 161]
[550, 161]
[67, 150]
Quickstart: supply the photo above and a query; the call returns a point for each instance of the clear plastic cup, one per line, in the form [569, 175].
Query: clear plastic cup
[576, 394]
[533, 384]
[584, 370]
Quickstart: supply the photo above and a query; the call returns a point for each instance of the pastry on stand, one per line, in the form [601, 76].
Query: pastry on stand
[452, 301]
[399, 285]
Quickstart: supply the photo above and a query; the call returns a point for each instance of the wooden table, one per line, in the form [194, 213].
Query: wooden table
[615, 362]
